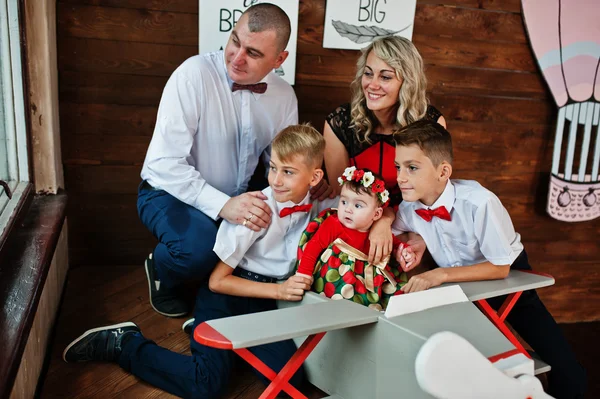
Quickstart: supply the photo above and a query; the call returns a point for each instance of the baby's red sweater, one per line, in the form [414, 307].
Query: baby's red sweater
[328, 232]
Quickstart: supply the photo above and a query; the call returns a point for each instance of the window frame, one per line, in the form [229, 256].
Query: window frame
[13, 103]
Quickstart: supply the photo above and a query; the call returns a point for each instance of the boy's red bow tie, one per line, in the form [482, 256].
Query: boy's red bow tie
[296, 208]
[259, 88]
[428, 214]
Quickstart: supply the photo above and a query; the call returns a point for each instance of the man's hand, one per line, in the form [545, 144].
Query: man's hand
[424, 281]
[321, 191]
[293, 288]
[248, 209]
[417, 247]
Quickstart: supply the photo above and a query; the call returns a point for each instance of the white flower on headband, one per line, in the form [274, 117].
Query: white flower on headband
[385, 196]
[349, 172]
[368, 179]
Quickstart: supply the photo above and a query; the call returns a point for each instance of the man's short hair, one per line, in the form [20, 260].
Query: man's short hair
[266, 16]
[431, 137]
[302, 140]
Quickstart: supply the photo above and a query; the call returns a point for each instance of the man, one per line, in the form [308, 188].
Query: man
[218, 115]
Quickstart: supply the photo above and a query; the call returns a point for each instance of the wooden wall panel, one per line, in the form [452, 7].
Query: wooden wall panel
[159, 5]
[106, 119]
[129, 58]
[127, 24]
[114, 57]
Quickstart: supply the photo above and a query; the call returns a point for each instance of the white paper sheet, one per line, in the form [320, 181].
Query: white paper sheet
[418, 301]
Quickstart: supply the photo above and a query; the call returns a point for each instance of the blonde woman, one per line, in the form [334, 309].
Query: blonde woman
[388, 93]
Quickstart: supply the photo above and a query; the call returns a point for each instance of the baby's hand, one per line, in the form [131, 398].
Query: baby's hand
[408, 255]
[405, 257]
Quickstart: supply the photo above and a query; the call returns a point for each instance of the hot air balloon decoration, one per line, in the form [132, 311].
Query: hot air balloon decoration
[565, 37]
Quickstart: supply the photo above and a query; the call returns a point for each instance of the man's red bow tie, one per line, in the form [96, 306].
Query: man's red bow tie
[296, 208]
[428, 214]
[259, 88]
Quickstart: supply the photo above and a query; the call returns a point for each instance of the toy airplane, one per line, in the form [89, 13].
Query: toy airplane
[365, 354]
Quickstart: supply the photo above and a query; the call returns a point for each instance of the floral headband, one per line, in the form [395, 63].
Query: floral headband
[367, 180]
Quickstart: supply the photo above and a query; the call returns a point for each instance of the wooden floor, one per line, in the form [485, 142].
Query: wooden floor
[98, 296]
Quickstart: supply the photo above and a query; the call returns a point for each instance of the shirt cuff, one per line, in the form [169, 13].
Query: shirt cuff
[211, 201]
[503, 260]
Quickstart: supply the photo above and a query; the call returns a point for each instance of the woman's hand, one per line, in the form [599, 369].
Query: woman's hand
[381, 241]
[321, 191]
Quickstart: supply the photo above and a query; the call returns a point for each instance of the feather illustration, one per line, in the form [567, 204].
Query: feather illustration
[363, 33]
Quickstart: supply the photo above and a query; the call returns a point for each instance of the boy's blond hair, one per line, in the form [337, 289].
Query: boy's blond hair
[302, 140]
[431, 137]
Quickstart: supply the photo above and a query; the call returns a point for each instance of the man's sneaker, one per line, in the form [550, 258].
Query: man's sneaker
[164, 300]
[100, 344]
[188, 325]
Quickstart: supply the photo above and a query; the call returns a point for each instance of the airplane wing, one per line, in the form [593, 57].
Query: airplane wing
[278, 325]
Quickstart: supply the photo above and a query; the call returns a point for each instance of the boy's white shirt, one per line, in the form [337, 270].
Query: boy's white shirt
[271, 251]
[480, 230]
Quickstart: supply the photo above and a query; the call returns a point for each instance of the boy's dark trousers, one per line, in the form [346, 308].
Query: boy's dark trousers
[206, 373]
[537, 327]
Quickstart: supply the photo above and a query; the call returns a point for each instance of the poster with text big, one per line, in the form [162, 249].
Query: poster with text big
[217, 18]
[353, 24]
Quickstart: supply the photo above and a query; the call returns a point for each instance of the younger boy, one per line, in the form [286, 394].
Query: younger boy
[243, 282]
[471, 237]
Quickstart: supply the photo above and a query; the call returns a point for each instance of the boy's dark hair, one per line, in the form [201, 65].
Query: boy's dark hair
[431, 137]
[359, 188]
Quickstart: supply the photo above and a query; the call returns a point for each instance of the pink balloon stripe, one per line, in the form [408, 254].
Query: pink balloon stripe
[579, 21]
[541, 20]
[579, 74]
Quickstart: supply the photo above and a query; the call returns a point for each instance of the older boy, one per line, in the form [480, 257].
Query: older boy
[471, 237]
[243, 282]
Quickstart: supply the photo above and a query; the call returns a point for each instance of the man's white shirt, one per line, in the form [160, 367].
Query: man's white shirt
[480, 230]
[207, 140]
[272, 251]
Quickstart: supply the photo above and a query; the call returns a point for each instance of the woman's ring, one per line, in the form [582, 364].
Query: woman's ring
[245, 222]
[251, 217]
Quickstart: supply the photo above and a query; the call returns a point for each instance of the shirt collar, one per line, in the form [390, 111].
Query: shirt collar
[446, 199]
[280, 205]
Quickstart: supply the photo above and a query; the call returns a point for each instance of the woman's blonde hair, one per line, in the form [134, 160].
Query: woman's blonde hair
[400, 54]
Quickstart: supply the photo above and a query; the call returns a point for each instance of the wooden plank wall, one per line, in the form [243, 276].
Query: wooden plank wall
[116, 55]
